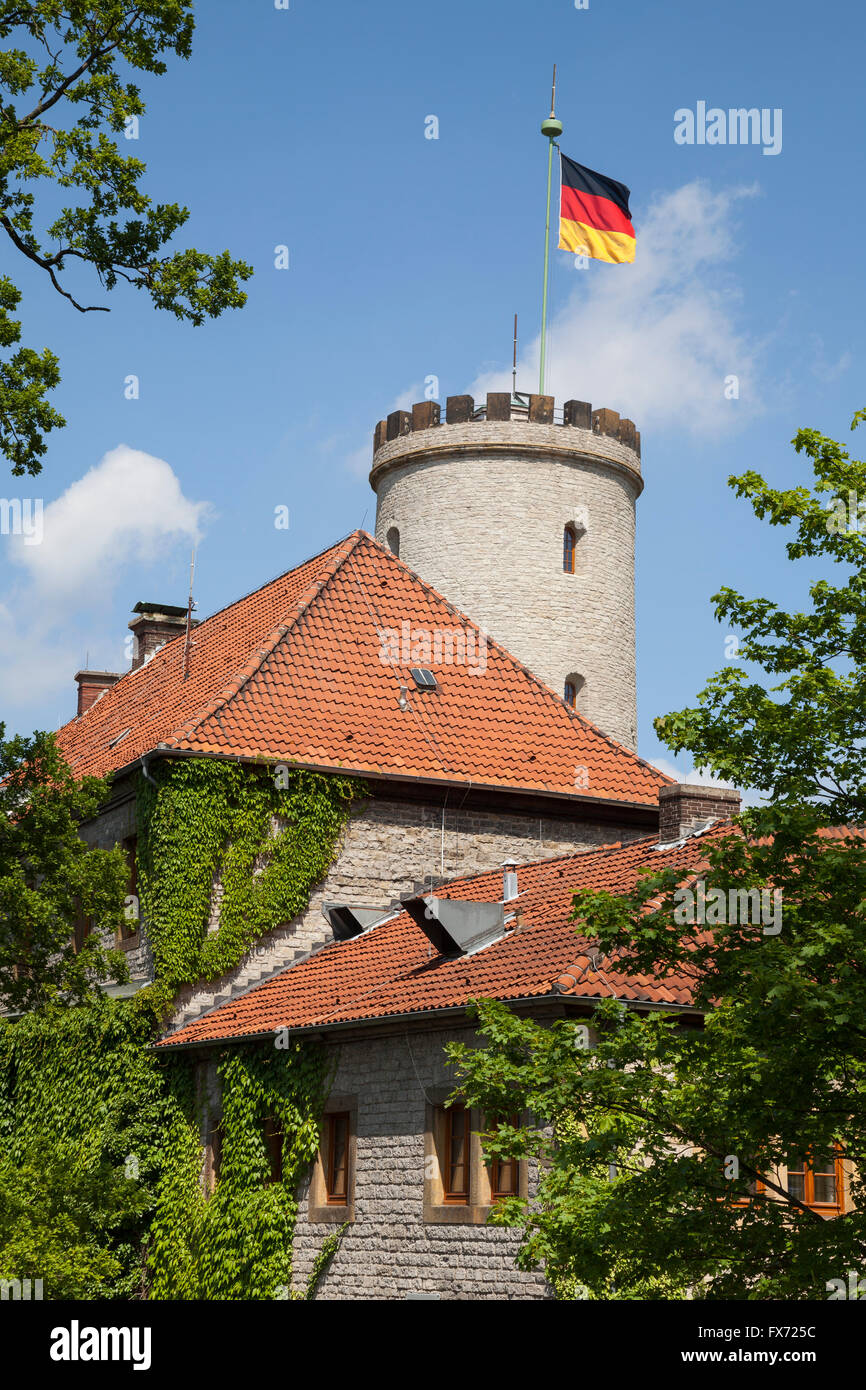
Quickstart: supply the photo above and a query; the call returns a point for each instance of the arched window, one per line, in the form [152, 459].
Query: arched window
[393, 540]
[569, 546]
[574, 691]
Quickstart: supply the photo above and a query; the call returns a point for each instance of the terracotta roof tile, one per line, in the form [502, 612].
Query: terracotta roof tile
[393, 970]
[294, 673]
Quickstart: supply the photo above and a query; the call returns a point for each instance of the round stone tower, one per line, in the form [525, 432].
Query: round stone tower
[525, 520]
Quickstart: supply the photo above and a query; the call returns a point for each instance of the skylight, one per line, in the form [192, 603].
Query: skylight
[424, 679]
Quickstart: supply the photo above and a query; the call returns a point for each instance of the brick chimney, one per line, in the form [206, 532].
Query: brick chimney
[684, 806]
[91, 685]
[155, 625]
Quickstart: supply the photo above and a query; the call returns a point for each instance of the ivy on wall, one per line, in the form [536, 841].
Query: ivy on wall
[101, 1138]
[262, 841]
[236, 1242]
[102, 1160]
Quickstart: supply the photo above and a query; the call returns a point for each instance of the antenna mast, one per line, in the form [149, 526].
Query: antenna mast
[189, 608]
[514, 366]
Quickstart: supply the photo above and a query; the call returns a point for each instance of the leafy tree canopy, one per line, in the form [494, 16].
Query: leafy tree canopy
[652, 1136]
[50, 878]
[62, 103]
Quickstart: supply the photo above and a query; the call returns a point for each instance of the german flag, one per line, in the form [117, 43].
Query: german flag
[594, 218]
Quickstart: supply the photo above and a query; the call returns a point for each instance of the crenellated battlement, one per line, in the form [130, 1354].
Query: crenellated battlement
[503, 406]
[523, 515]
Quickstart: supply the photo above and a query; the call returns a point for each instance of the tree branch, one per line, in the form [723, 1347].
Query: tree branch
[48, 264]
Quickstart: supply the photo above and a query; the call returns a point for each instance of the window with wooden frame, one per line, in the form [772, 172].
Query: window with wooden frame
[817, 1182]
[569, 548]
[127, 934]
[569, 694]
[456, 1155]
[504, 1172]
[273, 1135]
[331, 1194]
[753, 1189]
[338, 1129]
[460, 1182]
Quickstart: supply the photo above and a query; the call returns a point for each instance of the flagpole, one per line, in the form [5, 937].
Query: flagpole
[551, 128]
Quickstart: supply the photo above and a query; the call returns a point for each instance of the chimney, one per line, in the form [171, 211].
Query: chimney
[509, 880]
[156, 624]
[91, 685]
[684, 806]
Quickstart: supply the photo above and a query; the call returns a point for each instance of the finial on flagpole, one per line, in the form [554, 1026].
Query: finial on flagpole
[552, 126]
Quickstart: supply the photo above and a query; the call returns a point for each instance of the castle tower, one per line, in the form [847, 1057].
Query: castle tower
[525, 520]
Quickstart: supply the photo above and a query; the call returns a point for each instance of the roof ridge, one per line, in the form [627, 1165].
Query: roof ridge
[516, 662]
[125, 675]
[260, 654]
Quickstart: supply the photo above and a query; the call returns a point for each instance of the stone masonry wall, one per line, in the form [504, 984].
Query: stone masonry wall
[389, 1250]
[385, 849]
[480, 508]
[392, 844]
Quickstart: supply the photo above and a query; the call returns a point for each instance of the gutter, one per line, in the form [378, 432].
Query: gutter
[410, 779]
[164, 1047]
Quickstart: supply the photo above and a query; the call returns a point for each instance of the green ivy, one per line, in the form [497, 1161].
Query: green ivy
[102, 1160]
[101, 1145]
[83, 1115]
[236, 1243]
[266, 840]
[330, 1246]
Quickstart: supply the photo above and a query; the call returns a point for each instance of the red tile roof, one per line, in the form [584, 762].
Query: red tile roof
[294, 673]
[394, 971]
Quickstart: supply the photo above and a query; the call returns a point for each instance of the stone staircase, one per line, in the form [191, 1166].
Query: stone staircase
[264, 960]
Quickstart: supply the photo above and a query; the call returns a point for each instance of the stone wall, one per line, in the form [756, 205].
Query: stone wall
[386, 848]
[480, 508]
[389, 1251]
[392, 844]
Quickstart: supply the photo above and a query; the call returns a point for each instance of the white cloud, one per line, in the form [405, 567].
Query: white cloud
[656, 339]
[110, 527]
[129, 507]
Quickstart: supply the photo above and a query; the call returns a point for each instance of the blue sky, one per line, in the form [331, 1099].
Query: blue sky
[408, 258]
